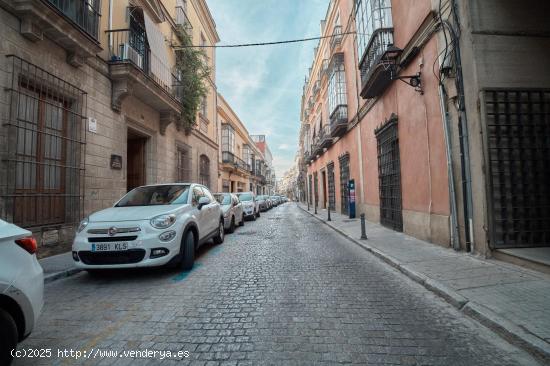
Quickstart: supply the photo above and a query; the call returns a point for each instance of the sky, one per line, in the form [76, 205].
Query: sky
[264, 84]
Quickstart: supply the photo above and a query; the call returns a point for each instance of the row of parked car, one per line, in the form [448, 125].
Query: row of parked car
[150, 226]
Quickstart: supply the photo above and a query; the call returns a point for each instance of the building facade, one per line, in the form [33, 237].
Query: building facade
[415, 105]
[243, 164]
[90, 106]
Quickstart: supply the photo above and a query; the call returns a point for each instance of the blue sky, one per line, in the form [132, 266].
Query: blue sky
[264, 84]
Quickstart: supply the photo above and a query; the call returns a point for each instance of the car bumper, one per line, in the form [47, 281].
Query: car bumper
[138, 254]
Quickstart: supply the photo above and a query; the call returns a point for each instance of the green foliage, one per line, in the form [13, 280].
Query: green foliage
[193, 70]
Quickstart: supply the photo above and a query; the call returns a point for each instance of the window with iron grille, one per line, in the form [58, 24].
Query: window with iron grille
[204, 171]
[183, 153]
[337, 84]
[228, 138]
[518, 142]
[371, 15]
[43, 166]
[84, 13]
[389, 175]
[331, 186]
[226, 186]
[344, 180]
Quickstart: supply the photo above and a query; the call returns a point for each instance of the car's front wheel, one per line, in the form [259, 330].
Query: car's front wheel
[258, 214]
[218, 239]
[188, 251]
[8, 337]
[242, 220]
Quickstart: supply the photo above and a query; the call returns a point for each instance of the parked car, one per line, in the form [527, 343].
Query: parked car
[275, 201]
[150, 226]
[21, 287]
[250, 205]
[263, 203]
[232, 208]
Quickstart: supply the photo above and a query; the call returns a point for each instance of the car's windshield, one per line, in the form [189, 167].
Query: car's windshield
[223, 199]
[246, 196]
[155, 196]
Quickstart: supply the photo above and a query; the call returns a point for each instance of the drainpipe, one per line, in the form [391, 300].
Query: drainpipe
[455, 242]
[464, 144]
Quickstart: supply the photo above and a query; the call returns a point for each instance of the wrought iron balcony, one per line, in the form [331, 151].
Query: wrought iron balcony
[378, 63]
[336, 38]
[325, 138]
[230, 158]
[157, 87]
[183, 20]
[83, 13]
[339, 121]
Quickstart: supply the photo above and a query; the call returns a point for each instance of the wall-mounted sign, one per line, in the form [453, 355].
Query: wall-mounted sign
[92, 125]
[116, 162]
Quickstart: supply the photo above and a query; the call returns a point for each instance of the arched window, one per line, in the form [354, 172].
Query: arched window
[204, 171]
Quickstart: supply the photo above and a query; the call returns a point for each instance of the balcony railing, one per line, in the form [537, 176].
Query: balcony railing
[336, 38]
[375, 75]
[325, 138]
[230, 158]
[324, 69]
[84, 13]
[127, 45]
[183, 20]
[339, 121]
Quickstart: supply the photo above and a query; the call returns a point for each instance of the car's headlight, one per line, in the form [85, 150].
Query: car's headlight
[83, 224]
[163, 221]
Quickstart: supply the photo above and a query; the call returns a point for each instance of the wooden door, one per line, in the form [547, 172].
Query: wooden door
[136, 163]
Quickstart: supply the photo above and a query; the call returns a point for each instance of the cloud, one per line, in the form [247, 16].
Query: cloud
[264, 84]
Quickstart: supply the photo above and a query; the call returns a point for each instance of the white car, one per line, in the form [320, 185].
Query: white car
[21, 287]
[250, 205]
[150, 226]
[232, 208]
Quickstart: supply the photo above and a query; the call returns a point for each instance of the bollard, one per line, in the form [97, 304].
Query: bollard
[363, 229]
[315, 208]
[328, 210]
[308, 204]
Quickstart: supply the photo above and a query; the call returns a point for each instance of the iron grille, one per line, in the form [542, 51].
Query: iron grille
[42, 167]
[518, 131]
[184, 163]
[331, 186]
[84, 13]
[344, 180]
[389, 175]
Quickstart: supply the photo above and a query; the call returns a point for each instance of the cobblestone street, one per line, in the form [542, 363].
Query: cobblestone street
[283, 290]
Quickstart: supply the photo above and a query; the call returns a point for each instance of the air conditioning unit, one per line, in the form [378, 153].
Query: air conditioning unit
[127, 52]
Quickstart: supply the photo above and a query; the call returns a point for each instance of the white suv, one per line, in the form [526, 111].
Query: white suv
[251, 206]
[21, 287]
[150, 226]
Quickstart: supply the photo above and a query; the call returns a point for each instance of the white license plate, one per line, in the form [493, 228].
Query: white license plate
[109, 247]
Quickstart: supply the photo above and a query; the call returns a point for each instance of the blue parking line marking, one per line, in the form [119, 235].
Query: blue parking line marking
[183, 275]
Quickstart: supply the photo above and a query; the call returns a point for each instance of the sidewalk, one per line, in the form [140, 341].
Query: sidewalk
[511, 300]
[58, 266]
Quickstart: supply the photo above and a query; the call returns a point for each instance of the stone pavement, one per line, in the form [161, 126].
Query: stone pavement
[510, 299]
[282, 290]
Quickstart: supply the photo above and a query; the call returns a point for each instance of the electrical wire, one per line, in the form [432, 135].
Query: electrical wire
[267, 43]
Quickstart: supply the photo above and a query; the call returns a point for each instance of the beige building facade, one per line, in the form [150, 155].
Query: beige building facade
[242, 164]
[90, 106]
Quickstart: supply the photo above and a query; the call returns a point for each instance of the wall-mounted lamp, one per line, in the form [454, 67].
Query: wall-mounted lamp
[413, 80]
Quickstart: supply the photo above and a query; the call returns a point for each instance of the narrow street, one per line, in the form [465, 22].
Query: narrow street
[281, 290]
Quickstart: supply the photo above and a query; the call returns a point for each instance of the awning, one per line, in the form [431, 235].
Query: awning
[159, 53]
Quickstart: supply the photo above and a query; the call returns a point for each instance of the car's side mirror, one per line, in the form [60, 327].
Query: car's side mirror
[203, 201]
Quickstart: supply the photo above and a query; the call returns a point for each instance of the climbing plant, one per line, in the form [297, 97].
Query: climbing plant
[193, 71]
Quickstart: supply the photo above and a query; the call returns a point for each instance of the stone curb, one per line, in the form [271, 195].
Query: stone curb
[480, 313]
[62, 274]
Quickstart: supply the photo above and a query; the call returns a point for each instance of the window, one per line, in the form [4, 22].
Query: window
[197, 194]
[337, 84]
[43, 168]
[226, 185]
[183, 173]
[204, 171]
[204, 107]
[371, 15]
[247, 155]
[203, 126]
[84, 13]
[228, 138]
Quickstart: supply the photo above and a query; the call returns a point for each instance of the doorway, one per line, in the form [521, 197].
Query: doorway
[324, 178]
[135, 172]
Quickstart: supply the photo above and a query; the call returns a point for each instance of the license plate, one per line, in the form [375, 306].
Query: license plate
[109, 247]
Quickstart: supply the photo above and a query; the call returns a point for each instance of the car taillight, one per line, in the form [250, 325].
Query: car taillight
[28, 243]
